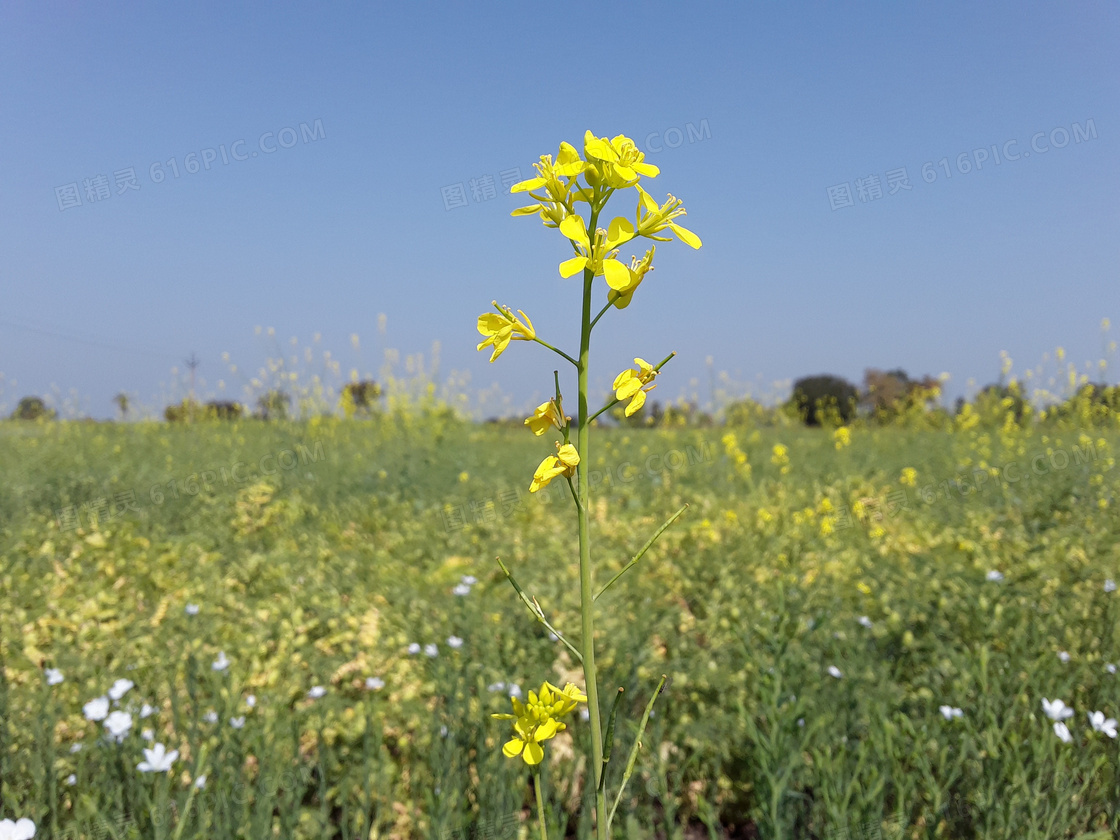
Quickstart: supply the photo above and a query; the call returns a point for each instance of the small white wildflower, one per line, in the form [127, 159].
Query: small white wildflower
[950, 712]
[552, 637]
[375, 683]
[414, 648]
[54, 676]
[148, 735]
[75, 748]
[1099, 724]
[865, 621]
[237, 722]
[1056, 709]
[515, 691]
[210, 717]
[191, 609]
[443, 731]
[461, 589]
[801, 721]
[316, 692]
[22, 829]
[1062, 655]
[221, 663]
[469, 580]
[1110, 585]
[498, 686]
[586, 715]
[71, 780]
[96, 709]
[157, 759]
[455, 642]
[1110, 668]
[120, 689]
[431, 650]
[147, 711]
[994, 576]
[200, 782]
[251, 701]
[835, 672]
[1062, 731]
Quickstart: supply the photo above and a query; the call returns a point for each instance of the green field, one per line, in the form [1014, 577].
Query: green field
[812, 616]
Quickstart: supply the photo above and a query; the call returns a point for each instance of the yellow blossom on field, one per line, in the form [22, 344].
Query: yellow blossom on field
[628, 385]
[546, 415]
[843, 437]
[909, 477]
[564, 462]
[539, 719]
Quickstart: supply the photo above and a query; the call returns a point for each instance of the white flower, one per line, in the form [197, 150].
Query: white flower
[414, 648]
[1110, 585]
[443, 731]
[148, 735]
[191, 609]
[801, 721]
[120, 689]
[994, 576]
[71, 780]
[949, 712]
[461, 589]
[1056, 710]
[96, 709]
[157, 759]
[586, 715]
[210, 717]
[1062, 655]
[251, 701]
[22, 829]
[515, 691]
[431, 650]
[375, 683]
[54, 676]
[834, 671]
[147, 711]
[469, 580]
[455, 642]
[865, 621]
[1108, 727]
[1110, 668]
[498, 686]
[237, 722]
[316, 692]
[75, 748]
[221, 663]
[118, 724]
[1062, 731]
[200, 782]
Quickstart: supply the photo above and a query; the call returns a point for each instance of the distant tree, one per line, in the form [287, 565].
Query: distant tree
[273, 405]
[744, 412]
[824, 398]
[185, 412]
[891, 393]
[122, 402]
[219, 410]
[360, 397]
[996, 401]
[33, 408]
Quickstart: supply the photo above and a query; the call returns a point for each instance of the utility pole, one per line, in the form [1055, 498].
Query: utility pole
[192, 363]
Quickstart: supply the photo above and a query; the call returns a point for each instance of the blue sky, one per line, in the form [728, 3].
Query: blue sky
[358, 122]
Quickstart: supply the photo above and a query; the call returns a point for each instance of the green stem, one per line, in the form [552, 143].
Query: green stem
[586, 592]
[540, 804]
[602, 312]
[643, 550]
[557, 350]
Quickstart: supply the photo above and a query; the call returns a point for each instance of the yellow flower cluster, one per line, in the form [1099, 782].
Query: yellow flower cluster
[780, 457]
[539, 719]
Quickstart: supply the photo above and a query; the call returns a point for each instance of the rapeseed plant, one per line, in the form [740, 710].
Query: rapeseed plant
[605, 167]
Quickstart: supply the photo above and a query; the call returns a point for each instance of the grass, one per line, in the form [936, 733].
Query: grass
[335, 545]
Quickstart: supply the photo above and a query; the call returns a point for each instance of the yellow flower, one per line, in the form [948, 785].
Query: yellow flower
[502, 326]
[628, 385]
[600, 257]
[539, 719]
[546, 414]
[564, 462]
[909, 476]
[656, 219]
[843, 437]
[638, 270]
[618, 162]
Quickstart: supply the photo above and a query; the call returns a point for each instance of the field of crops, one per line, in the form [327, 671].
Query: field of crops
[865, 629]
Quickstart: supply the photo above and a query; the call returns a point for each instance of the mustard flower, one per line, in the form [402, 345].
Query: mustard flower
[500, 327]
[546, 415]
[628, 385]
[638, 269]
[617, 162]
[568, 165]
[564, 462]
[539, 719]
[600, 256]
[657, 218]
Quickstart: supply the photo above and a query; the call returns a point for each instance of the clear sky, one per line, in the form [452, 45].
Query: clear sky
[359, 122]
